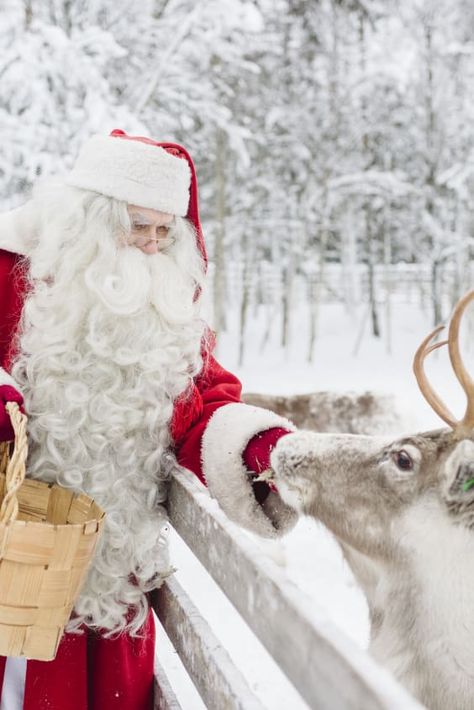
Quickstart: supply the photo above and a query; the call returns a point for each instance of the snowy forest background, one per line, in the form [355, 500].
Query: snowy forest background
[333, 139]
[334, 144]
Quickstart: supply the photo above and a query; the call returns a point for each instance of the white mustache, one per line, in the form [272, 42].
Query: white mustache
[128, 281]
[120, 280]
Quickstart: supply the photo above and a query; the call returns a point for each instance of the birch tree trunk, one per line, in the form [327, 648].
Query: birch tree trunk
[430, 179]
[436, 273]
[287, 293]
[371, 275]
[366, 206]
[350, 283]
[387, 258]
[316, 281]
[219, 282]
[316, 287]
[245, 300]
[28, 6]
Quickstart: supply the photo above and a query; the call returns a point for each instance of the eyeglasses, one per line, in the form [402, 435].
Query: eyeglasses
[140, 238]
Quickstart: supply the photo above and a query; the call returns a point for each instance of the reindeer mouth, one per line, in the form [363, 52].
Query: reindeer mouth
[268, 477]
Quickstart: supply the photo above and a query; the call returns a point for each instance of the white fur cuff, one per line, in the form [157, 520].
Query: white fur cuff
[17, 229]
[135, 172]
[6, 379]
[225, 439]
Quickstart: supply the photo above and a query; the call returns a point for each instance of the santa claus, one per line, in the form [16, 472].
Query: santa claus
[103, 343]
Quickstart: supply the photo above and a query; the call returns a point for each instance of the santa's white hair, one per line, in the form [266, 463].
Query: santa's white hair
[110, 337]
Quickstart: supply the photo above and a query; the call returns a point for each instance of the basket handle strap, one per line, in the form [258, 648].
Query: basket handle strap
[16, 468]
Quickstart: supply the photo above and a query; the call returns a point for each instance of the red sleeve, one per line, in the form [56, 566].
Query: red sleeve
[12, 294]
[213, 389]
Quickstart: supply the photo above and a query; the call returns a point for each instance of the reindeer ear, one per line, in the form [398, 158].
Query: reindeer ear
[459, 476]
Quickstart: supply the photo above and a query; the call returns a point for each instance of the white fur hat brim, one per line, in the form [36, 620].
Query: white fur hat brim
[138, 173]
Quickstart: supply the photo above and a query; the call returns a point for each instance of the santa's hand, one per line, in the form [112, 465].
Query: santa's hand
[275, 468]
[8, 394]
[257, 460]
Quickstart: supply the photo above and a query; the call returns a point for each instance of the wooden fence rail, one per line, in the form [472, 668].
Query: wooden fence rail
[327, 668]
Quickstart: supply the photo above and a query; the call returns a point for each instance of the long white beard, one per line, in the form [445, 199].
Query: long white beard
[107, 345]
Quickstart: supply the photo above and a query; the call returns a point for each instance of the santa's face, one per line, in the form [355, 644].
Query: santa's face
[149, 229]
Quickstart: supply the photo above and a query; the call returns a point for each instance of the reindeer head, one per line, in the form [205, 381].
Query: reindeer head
[360, 486]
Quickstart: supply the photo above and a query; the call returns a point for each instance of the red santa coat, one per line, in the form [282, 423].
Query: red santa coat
[211, 429]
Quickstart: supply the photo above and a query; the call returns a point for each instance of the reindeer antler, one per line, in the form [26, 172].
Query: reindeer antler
[466, 424]
[426, 389]
[456, 361]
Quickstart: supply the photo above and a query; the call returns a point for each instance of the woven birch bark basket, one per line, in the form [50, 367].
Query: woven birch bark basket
[47, 539]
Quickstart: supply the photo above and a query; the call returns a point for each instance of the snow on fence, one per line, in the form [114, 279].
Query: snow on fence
[327, 668]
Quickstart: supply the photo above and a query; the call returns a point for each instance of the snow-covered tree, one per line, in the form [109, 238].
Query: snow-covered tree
[337, 131]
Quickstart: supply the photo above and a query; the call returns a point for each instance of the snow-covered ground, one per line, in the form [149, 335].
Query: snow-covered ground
[309, 555]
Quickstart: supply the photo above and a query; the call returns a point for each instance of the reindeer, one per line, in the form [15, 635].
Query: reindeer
[403, 513]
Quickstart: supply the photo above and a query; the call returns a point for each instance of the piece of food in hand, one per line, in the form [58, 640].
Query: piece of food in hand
[267, 475]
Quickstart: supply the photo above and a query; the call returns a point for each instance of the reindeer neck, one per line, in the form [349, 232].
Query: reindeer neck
[428, 600]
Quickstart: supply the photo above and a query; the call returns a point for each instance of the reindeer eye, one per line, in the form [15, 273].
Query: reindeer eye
[403, 460]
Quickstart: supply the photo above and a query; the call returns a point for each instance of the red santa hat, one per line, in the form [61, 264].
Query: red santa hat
[135, 171]
[142, 172]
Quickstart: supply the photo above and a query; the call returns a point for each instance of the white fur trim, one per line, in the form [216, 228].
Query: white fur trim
[6, 379]
[225, 439]
[13, 688]
[138, 173]
[18, 228]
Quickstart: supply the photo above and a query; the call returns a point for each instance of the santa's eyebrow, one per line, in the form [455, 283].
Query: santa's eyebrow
[138, 215]
[135, 216]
